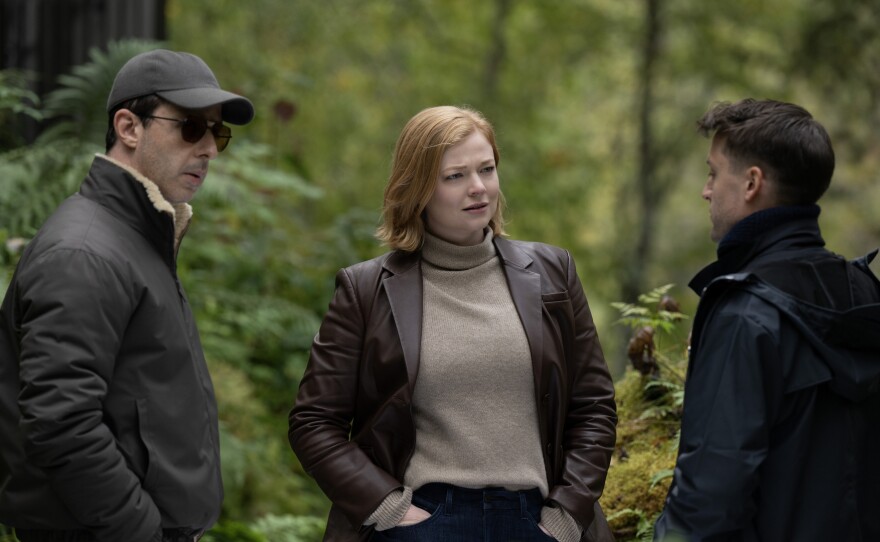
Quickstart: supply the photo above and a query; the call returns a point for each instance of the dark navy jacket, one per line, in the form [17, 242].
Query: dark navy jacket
[780, 437]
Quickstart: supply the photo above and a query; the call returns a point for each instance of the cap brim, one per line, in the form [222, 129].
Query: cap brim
[236, 109]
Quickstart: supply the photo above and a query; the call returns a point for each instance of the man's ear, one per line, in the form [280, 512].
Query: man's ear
[756, 184]
[128, 128]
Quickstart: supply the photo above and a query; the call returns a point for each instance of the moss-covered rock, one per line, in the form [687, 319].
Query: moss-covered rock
[639, 477]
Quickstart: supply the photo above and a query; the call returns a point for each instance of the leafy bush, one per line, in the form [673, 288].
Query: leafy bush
[228, 530]
[290, 528]
[16, 101]
[269, 528]
[34, 179]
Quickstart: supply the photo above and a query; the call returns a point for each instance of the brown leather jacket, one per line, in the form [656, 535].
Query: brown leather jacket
[352, 426]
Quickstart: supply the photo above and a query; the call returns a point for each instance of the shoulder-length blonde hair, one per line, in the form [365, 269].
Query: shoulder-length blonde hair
[416, 167]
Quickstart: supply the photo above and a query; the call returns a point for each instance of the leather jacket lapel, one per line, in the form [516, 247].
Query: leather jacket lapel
[404, 290]
[525, 289]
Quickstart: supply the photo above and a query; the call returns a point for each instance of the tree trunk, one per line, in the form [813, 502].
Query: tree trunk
[648, 191]
[497, 52]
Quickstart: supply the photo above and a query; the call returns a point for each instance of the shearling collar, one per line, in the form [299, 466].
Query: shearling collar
[181, 213]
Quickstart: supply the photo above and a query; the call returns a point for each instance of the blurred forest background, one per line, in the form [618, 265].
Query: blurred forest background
[594, 103]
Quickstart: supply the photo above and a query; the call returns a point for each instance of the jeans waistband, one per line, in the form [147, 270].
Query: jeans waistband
[486, 497]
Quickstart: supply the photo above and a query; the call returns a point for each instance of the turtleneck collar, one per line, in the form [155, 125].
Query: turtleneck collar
[752, 227]
[443, 254]
[768, 233]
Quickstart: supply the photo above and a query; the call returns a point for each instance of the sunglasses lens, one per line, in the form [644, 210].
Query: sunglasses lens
[222, 133]
[192, 129]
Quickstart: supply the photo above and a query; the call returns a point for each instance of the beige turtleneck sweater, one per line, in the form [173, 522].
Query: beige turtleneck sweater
[474, 401]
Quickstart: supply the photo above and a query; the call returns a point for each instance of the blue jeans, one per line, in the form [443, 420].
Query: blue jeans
[472, 515]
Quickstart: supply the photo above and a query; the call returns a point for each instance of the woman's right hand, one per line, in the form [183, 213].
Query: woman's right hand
[413, 515]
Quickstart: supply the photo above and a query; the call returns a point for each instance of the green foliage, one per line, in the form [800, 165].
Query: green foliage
[78, 106]
[16, 100]
[269, 528]
[649, 410]
[35, 178]
[257, 270]
[561, 81]
[290, 528]
[640, 315]
[10, 250]
[233, 531]
[644, 528]
[24, 203]
[259, 474]
[15, 97]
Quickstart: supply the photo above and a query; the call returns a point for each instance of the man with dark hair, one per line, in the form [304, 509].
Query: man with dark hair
[107, 412]
[779, 438]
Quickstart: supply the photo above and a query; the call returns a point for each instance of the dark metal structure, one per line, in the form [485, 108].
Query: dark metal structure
[48, 37]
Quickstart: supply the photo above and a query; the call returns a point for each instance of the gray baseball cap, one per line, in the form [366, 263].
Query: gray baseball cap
[182, 79]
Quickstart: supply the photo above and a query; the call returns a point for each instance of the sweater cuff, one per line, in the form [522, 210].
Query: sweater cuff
[560, 524]
[391, 510]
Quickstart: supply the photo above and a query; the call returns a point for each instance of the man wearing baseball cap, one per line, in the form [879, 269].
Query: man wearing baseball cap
[107, 411]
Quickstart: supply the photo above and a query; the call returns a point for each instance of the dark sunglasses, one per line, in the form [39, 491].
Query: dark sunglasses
[193, 129]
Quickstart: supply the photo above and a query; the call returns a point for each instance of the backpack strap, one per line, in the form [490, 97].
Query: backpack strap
[824, 279]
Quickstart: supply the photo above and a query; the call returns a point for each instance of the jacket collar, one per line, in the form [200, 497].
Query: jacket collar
[399, 262]
[404, 290]
[778, 230]
[138, 202]
[525, 290]
[511, 255]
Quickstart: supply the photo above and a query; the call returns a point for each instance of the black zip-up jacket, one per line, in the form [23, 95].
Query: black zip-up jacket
[107, 411]
[780, 438]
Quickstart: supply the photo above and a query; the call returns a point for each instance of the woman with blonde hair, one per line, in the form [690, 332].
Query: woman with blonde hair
[456, 390]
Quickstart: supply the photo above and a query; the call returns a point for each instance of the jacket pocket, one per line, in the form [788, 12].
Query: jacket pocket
[555, 297]
[147, 439]
[560, 314]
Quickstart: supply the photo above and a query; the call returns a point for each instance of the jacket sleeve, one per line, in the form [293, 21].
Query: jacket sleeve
[730, 394]
[74, 311]
[590, 425]
[320, 421]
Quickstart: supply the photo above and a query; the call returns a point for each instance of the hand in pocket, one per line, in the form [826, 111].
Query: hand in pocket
[413, 515]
